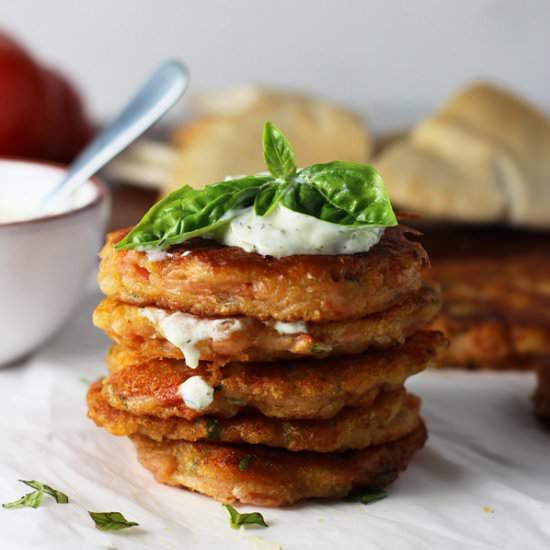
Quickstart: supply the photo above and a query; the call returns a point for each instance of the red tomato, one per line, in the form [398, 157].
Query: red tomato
[68, 127]
[23, 102]
[41, 114]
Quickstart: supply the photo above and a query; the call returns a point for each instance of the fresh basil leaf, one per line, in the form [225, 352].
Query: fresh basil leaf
[268, 197]
[237, 520]
[60, 498]
[368, 496]
[356, 189]
[189, 212]
[30, 500]
[306, 199]
[111, 521]
[243, 464]
[278, 154]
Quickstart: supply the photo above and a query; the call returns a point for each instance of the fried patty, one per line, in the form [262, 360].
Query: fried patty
[492, 344]
[391, 416]
[542, 394]
[207, 279]
[496, 312]
[255, 340]
[275, 477]
[314, 388]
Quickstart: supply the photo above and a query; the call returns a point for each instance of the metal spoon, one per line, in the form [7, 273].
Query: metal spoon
[160, 92]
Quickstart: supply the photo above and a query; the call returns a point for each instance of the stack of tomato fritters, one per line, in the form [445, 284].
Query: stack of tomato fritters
[266, 380]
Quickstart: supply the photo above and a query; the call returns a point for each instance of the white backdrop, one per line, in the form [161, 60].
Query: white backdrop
[393, 59]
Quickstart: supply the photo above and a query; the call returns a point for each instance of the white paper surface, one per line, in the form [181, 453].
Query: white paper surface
[485, 450]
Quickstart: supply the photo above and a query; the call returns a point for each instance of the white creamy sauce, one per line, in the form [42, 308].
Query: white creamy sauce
[160, 254]
[157, 254]
[16, 209]
[196, 393]
[15, 213]
[286, 233]
[186, 331]
[289, 328]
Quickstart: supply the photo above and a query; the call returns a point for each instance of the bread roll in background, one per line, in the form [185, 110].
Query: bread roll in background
[225, 138]
[483, 157]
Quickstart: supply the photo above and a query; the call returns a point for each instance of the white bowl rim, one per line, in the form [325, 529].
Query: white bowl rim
[102, 193]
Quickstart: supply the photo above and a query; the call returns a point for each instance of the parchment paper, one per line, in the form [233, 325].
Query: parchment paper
[482, 482]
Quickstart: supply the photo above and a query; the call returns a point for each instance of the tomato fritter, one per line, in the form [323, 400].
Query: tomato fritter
[255, 340]
[496, 312]
[542, 394]
[207, 279]
[491, 344]
[314, 388]
[391, 416]
[266, 476]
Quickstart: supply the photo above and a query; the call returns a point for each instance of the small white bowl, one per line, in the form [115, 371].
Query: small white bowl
[45, 263]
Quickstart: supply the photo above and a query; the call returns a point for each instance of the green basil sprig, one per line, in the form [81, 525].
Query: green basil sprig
[344, 193]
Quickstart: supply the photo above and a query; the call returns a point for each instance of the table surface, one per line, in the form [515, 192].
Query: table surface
[482, 481]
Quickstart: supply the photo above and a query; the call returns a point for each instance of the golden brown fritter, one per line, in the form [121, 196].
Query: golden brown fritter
[207, 279]
[256, 340]
[542, 394]
[491, 344]
[391, 416]
[315, 388]
[496, 312]
[274, 477]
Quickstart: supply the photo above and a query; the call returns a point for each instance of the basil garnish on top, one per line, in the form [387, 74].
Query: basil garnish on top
[344, 193]
[278, 154]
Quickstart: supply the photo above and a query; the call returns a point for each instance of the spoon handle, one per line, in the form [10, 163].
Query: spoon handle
[159, 93]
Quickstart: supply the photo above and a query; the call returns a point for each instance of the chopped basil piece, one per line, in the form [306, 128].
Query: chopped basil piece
[34, 499]
[234, 401]
[243, 464]
[30, 500]
[111, 521]
[237, 520]
[212, 429]
[368, 496]
[321, 348]
[60, 498]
